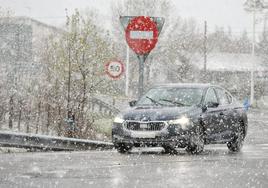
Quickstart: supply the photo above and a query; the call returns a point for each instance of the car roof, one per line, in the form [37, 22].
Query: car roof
[186, 85]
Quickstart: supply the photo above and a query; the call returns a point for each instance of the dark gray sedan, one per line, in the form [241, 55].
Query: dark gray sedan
[182, 115]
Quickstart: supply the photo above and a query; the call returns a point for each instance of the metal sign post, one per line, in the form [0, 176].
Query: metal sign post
[142, 59]
[141, 34]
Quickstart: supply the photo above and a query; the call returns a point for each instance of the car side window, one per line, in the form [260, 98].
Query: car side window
[223, 97]
[211, 96]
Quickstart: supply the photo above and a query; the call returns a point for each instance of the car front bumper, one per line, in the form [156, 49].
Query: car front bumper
[169, 136]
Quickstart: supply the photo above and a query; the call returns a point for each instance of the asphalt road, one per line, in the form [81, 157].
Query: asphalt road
[215, 167]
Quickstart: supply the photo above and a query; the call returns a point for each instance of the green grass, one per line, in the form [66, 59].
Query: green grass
[104, 126]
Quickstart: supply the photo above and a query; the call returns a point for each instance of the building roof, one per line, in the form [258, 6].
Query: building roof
[232, 62]
[23, 19]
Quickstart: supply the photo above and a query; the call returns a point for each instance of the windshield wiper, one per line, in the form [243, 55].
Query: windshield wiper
[154, 101]
[173, 102]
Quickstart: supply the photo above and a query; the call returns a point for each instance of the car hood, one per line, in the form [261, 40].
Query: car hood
[156, 113]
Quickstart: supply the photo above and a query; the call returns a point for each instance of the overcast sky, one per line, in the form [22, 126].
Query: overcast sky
[217, 12]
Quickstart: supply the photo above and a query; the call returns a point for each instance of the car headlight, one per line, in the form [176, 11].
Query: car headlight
[184, 122]
[118, 119]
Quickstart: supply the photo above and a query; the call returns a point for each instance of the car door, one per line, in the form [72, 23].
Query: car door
[210, 116]
[227, 112]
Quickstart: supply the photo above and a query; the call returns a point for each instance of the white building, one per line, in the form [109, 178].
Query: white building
[21, 38]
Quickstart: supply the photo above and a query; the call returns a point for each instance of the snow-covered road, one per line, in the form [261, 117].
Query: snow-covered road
[215, 167]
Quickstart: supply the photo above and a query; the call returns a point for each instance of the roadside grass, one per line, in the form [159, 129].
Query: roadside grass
[103, 126]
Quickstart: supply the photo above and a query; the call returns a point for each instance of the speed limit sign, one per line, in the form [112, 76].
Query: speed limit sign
[114, 69]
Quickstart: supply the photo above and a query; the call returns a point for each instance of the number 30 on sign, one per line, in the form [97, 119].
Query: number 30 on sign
[114, 69]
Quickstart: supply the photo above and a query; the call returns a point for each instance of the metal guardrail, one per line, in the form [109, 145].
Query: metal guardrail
[102, 104]
[34, 141]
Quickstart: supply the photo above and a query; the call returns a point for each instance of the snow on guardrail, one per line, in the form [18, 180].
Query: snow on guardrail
[35, 141]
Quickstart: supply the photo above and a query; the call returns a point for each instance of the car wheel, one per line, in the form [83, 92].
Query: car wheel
[123, 148]
[170, 150]
[196, 142]
[236, 143]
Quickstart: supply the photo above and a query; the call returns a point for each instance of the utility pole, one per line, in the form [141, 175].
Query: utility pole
[205, 47]
[253, 56]
[69, 70]
[252, 6]
[69, 77]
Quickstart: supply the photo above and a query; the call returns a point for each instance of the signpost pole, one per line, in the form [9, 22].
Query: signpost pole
[127, 68]
[141, 75]
[127, 71]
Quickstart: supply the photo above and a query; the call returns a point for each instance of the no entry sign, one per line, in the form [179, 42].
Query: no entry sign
[114, 69]
[141, 34]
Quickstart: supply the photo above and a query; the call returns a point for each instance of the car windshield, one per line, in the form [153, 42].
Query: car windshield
[171, 97]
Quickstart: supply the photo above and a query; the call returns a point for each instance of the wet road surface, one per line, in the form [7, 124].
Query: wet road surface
[215, 167]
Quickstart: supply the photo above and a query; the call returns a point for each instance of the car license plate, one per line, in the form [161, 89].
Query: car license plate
[143, 134]
[143, 126]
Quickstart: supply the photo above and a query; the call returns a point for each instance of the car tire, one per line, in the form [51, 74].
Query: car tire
[169, 150]
[196, 142]
[123, 148]
[236, 144]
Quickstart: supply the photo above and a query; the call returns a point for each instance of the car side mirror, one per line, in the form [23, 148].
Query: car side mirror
[204, 108]
[209, 105]
[132, 103]
[212, 104]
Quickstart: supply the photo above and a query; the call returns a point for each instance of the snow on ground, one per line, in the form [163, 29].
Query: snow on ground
[12, 150]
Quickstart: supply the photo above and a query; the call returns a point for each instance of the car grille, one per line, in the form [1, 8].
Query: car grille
[144, 126]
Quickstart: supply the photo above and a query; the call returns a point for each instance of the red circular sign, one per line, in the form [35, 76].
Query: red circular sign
[114, 69]
[141, 34]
